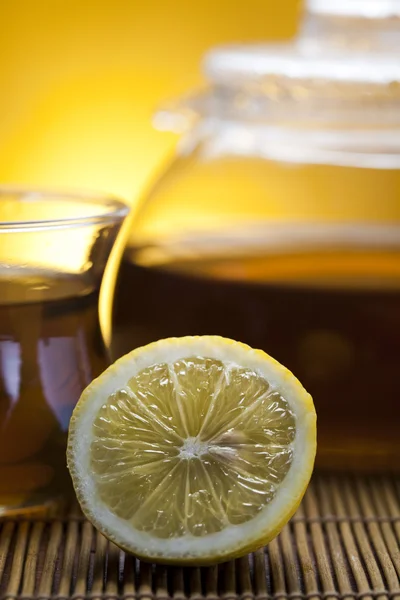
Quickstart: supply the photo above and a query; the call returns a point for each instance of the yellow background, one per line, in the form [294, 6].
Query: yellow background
[80, 78]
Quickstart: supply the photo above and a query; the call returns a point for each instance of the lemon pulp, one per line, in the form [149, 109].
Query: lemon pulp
[191, 447]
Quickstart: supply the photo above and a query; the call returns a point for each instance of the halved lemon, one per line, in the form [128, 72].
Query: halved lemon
[192, 450]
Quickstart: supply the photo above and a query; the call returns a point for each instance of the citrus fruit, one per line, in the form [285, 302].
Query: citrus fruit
[192, 450]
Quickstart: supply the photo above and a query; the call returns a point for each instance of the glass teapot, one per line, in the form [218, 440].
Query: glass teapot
[278, 221]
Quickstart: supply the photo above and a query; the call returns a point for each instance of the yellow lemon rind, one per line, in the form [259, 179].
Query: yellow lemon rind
[285, 505]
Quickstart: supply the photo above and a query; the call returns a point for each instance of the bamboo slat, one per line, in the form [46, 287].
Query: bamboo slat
[342, 544]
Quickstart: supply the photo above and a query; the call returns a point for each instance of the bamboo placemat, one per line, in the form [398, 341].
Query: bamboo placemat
[343, 544]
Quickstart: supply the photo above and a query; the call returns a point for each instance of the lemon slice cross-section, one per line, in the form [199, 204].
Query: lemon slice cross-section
[192, 450]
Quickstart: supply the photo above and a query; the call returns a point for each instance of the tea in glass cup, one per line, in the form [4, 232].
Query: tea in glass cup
[53, 251]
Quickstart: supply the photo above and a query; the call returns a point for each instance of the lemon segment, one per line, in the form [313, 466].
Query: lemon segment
[192, 450]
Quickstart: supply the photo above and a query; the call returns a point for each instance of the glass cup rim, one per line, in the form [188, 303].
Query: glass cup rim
[118, 209]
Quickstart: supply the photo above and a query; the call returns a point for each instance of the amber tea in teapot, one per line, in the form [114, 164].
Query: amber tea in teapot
[332, 315]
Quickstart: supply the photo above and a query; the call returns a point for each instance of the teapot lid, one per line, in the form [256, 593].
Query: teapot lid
[346, 41]
[343, 67]
[371, 9]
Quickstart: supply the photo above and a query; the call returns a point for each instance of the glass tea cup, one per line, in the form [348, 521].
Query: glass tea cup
[54, 247]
